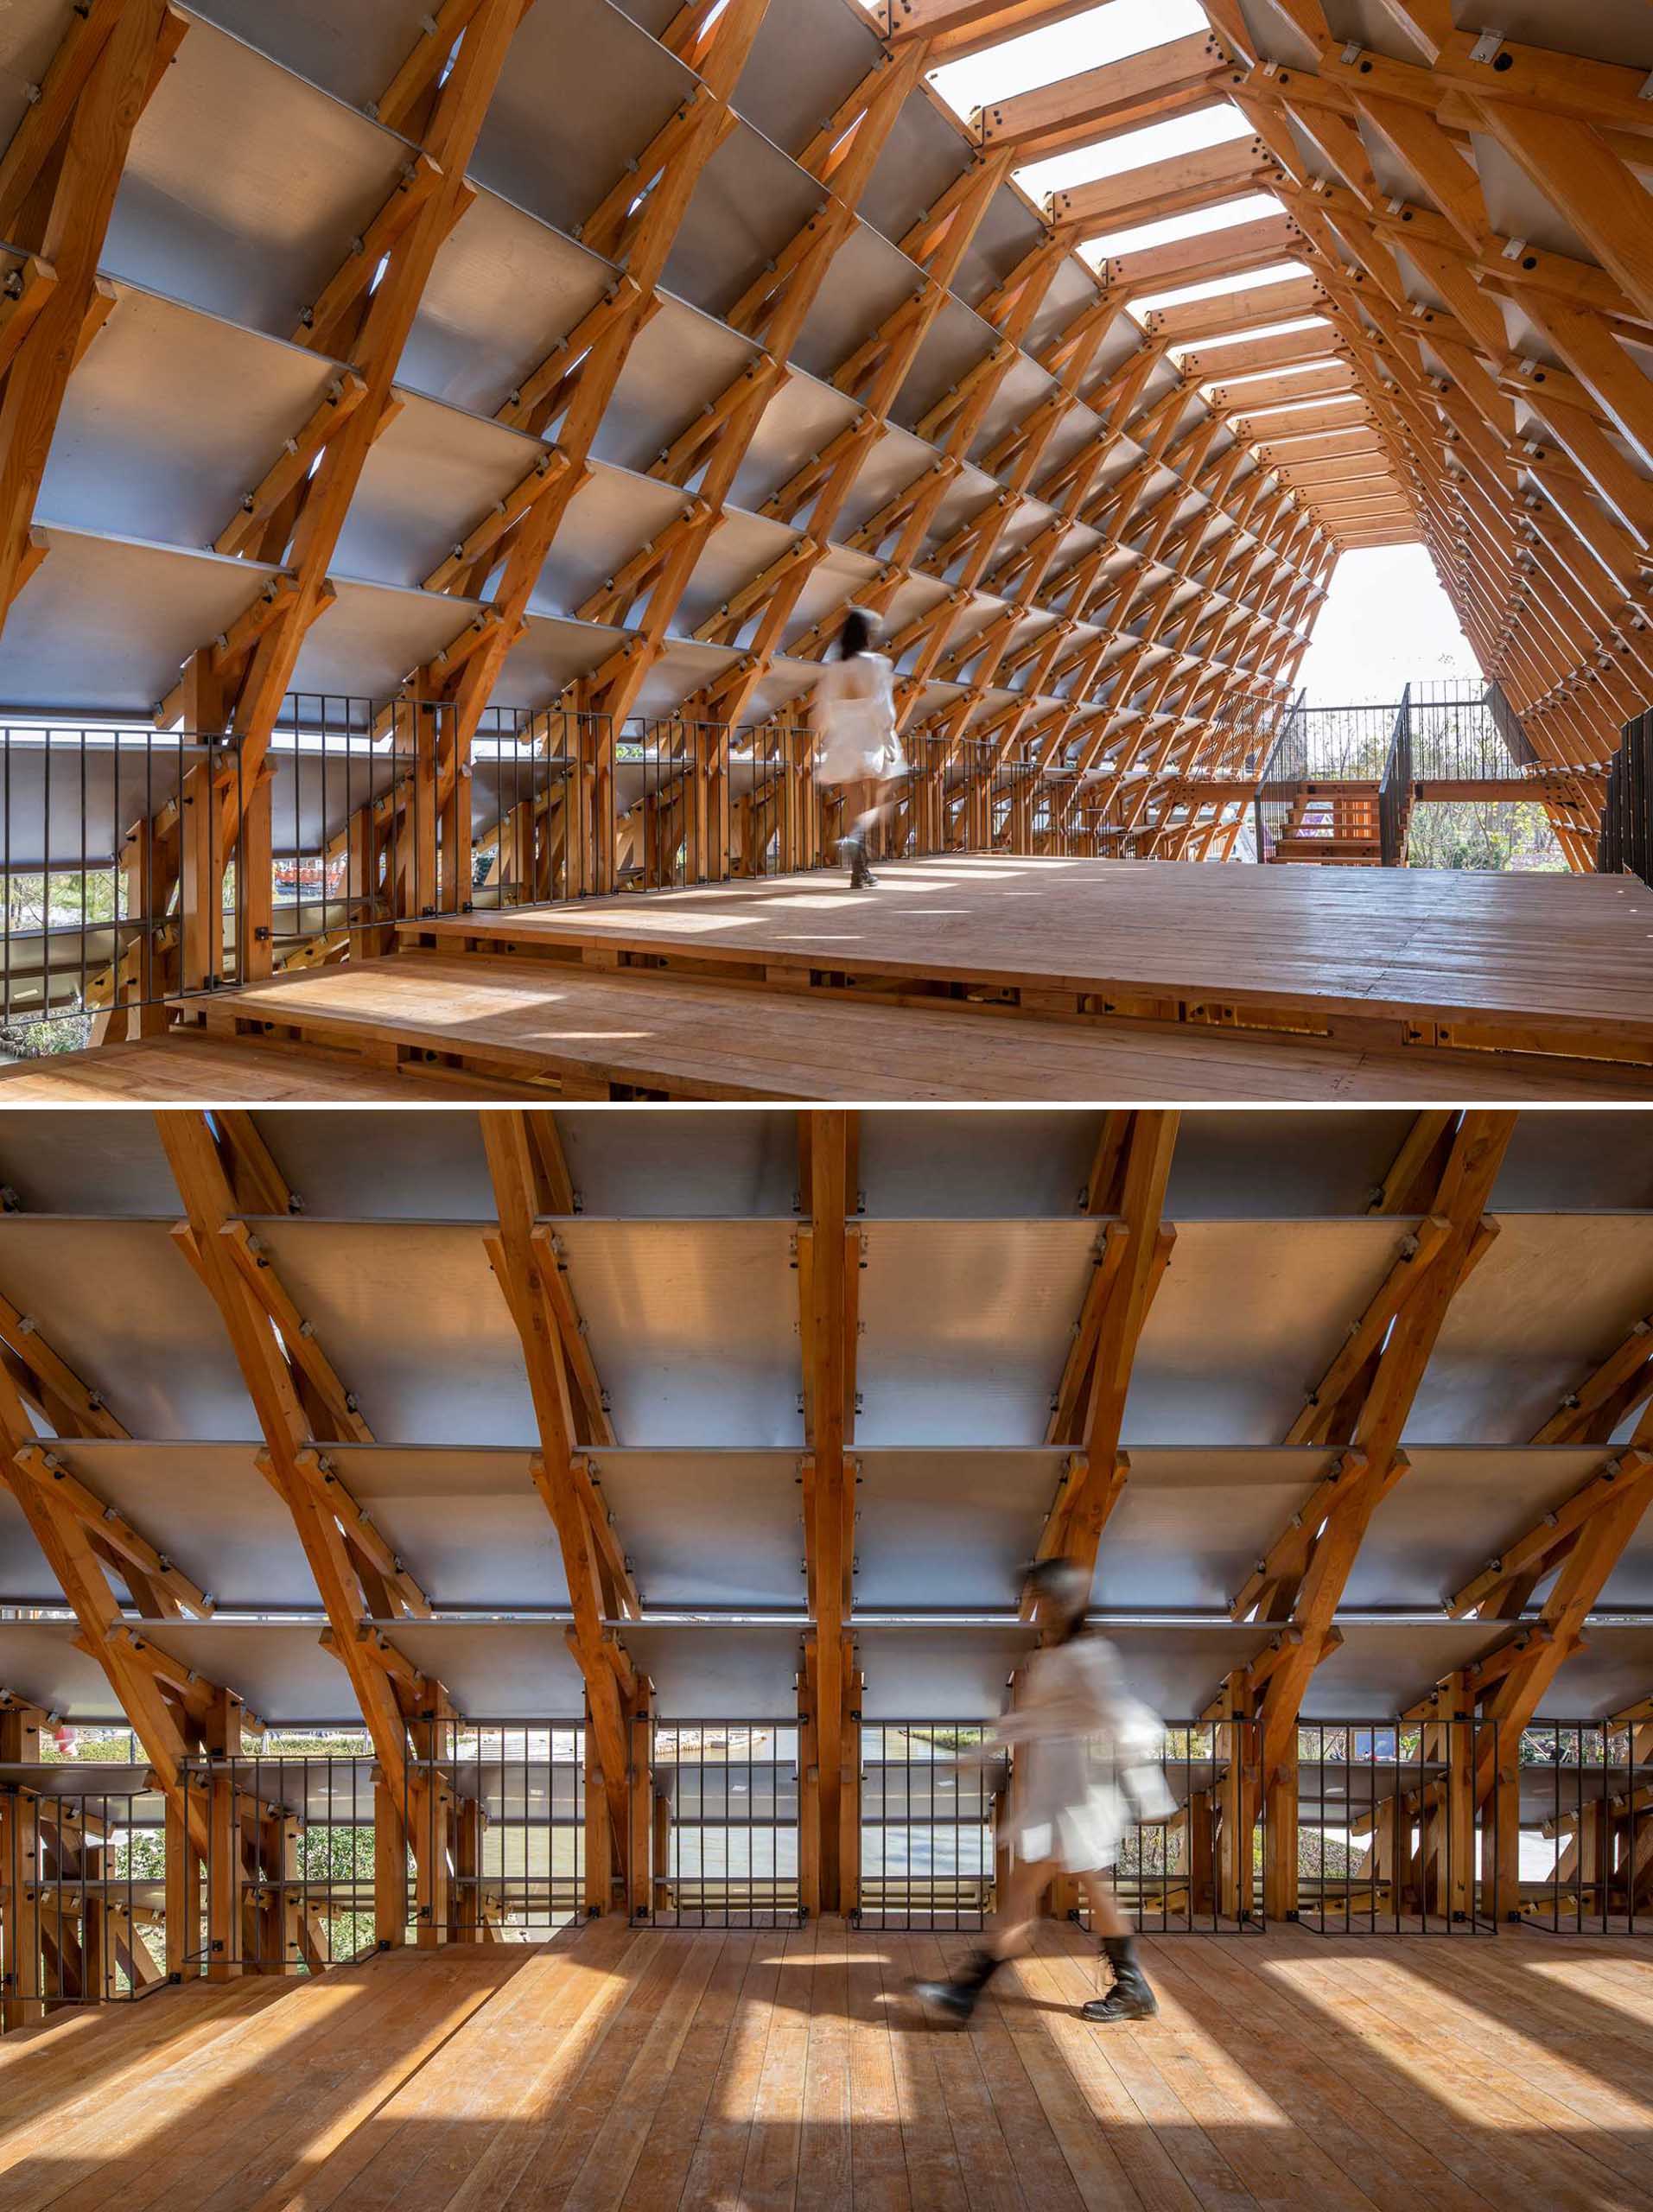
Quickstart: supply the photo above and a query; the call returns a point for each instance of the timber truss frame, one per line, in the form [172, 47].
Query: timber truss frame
[224, 1170]
[1145, 637]
[1535, 1598]
[529, 1176]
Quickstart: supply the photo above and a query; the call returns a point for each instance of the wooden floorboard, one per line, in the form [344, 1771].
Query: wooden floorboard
[497, 1025]
[623, 2068]
[1538, 955]
[216, 1071]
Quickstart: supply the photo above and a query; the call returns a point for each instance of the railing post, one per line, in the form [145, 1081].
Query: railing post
[641, 1856]
[1280, 1831]
[389, 1867]
[598, 1843]
[182, 1888]
[255, 877]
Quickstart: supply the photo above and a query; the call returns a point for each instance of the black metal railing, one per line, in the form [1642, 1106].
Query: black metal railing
[1394, 788]
[929, 1790]
[346, 826]
[724, 1824]
[1392, 1838]
[495, 1816]
[1467, 733]
[82, 1888]
[98, 825]
[1197, 1867]
[1586, 1817]
[286, 1881]
[1286, 765]
[533, 781]
[1626, 844]
[775, 811]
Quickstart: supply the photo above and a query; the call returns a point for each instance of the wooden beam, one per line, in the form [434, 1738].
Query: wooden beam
[515, 1170]
[1181, 78]
[1372, 1422]
[828, 1259]
[204, 1187]
[94, 94]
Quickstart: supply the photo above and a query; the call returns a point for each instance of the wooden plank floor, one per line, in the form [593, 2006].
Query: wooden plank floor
[1538, 956]
[584, 1034]
[649, 2070]
[213, 1071]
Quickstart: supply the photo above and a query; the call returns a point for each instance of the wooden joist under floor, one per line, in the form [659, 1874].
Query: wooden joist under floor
[618, 2067]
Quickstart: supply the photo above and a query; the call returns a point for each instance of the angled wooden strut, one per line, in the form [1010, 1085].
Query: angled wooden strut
[239, 682]
[1573, 1548]
[829, 1262]
[150, 1695]
[1532, 569]
[526, 1267]
[374, 352]
[175, 1712]
[412, 1803]
[584, 376]
[1303, 1576]
[1128, 1184]
[59, 177]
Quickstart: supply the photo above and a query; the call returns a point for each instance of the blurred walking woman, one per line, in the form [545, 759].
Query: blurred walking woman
[1086, 1756]
[857, 747]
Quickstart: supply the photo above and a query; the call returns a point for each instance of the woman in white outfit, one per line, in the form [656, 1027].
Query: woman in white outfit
[1086, 1766]
[857, 749]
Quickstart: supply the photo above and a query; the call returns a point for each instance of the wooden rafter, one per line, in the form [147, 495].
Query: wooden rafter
[59, 177]
[389, 1690]
[1309, 1565]
[600, 1586]
[1127, 1185]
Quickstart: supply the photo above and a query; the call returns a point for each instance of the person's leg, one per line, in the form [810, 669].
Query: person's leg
[852, 846]
[879, 802]
[1131, 1997]
[1017, 1909]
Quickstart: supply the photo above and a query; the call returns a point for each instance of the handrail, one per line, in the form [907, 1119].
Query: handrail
[1395, 786]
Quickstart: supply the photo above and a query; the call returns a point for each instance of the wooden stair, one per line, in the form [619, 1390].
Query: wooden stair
[1331, 823]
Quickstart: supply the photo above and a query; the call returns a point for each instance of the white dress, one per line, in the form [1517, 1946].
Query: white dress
[855, 722]
[1086, 1758]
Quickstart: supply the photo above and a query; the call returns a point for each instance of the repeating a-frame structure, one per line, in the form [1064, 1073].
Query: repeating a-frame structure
[465, 508]
[640, 1518]
[613, 430]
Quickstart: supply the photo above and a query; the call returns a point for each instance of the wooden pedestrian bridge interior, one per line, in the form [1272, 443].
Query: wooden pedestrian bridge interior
[421, 528]
[615, 1523]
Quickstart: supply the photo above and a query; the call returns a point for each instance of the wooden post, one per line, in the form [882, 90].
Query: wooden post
[1200, 1838]
[849, 1788]
[222, 1743]
[20, 1929]
[829, 1263]
[433, 1892]
[254, 877]
[599, 1853]
[183, 1895]
[1280, 1832]
[809, 1785]
[640, 1847]
[467, 1869]
[389, 1867]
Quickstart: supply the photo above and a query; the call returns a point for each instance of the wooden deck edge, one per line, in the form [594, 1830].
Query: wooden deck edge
[1411, 1025]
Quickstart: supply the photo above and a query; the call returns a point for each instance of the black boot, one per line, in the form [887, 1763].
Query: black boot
[959, 1997]
[854, 849]
[1130, 1997]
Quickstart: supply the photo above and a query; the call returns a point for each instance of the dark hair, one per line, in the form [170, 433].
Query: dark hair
[1066, 1584]
[856, 635]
